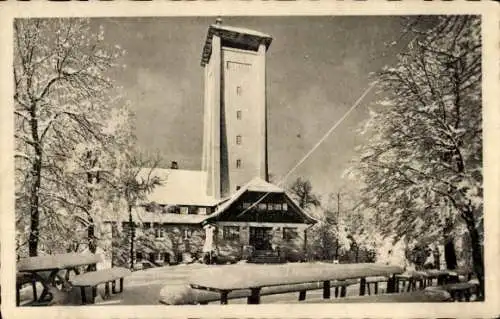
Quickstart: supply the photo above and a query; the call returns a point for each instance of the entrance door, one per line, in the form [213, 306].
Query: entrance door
[260, 238]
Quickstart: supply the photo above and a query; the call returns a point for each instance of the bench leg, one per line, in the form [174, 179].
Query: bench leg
[113, 286]
[387, 286]
[326, 289]
[35, 295]
[66, 275]
[302, 295]
[442, 279]
[467, 295]
[362, 286]
[106, 291]
[121, 284]
[94, 294]
[18, 295]
[390, 285]
[84, 298]
[254, 298]
[343, 291]
[223, 297]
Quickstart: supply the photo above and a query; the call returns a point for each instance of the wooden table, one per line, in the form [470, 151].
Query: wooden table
[46, 269]
[254, 277]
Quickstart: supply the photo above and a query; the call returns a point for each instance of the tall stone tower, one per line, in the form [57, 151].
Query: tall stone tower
[235, 137]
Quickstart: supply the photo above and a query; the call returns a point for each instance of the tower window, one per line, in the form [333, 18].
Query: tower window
[239, 90]
[238, 115]
[238, 163]
[238, 188]
[238, 139]
[230, 232]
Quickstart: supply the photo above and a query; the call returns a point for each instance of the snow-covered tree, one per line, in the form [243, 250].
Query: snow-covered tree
[67, 117]
[334, 235]
[133, 181]
[301, 191]
[422, 165]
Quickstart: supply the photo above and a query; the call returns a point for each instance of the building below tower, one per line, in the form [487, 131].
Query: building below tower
[178, 220]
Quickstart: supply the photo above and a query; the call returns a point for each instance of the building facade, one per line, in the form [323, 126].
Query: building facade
[228, 208]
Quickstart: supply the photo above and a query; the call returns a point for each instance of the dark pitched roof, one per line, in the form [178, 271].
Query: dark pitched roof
[250, 39]
[257, 185]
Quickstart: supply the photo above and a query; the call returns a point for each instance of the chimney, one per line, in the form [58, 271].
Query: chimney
[174, 165]
[218, 21]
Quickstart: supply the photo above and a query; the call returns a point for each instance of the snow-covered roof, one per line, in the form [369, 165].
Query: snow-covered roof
[238, 277]
[256, 185]
[58, 261]
[142, 216]
[179, 187]
[259, 185]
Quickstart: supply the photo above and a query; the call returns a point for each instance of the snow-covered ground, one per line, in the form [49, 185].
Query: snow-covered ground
[143, 287]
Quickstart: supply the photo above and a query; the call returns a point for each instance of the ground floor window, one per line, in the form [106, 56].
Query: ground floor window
[187, 233]
[159, 257]
[152, 257]
[231, 232]
[159, 231]
[166, 257]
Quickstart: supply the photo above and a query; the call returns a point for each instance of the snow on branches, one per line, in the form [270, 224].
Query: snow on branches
[71, 126]
[422, 165]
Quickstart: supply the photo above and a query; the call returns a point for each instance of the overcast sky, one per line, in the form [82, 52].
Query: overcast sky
[317, 67]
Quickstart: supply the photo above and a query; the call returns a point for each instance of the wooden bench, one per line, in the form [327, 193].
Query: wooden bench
[185, 295]
[414, 296]
[447, 276]
[459, 291]
[95, 278]
[224, 280]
